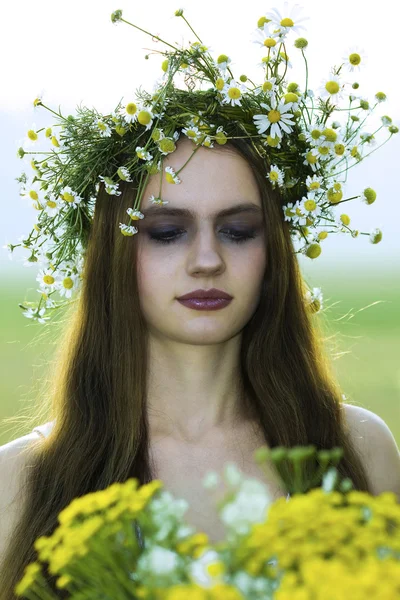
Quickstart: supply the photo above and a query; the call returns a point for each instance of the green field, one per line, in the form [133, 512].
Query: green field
[367, 338]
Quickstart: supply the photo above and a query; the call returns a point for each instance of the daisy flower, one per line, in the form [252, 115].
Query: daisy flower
[299, 218]
[277, 118]
[143, 154]
[311, 159]
[145, 117]
[288, 20]
[127, 230]
[313, 134]
[221, 81]
[110, 185]
[309, 206]
[47, 280]
[155, 200]
[313, 183]
[269, 87]
[275, 176]
[36, 315]
[67, 284]
[375, 236]
[135, 215]
[124, 174]
[289, 211]
[233, 92]
[331, 88]
[354, 59]
[103, 128]
[32, 190]
[223, 61]
[268, 40]
[31, 138]
[192, 132]
[171, 176]
[52, 205]
[314, 297]
[70, 196]
[130, 112]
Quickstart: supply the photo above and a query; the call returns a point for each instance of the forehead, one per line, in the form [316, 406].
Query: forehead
[212, 183]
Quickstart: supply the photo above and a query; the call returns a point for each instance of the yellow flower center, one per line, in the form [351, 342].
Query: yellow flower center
[345, 219]
[32, 135]
[330, 135]
[334, 197]
[323, 235]
[184, 65]
[51, 203]
[324, 150]
[287, 22]
[314, 185]
[48, 132]
[120, 130]
[354, 59]
[339, 149]
[131, 108]
[311, 158]
[267, 86]
[269, 42]
[332, 87]
[315, 134]
[289, 212]
[221, 138]
[68, 197]
[144, 117]
[274, 176]
[68, 283]
[54, 141]
[101, 126]
[291, 97]
[313, 250]
[169, 177]
[234, 93]
[164, 65]
[354, 151]
[370, 195]
[167, 145]
[274, 116]
[48, 279]
[273, 141]
[310, 205]
[219, 84]
[34, 195]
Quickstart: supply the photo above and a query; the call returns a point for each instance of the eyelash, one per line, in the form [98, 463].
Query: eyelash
[158, 238]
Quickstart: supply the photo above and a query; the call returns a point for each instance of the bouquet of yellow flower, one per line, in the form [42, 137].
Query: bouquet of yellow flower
[324, 543]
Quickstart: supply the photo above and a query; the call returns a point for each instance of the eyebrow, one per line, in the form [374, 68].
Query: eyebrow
[186, 212]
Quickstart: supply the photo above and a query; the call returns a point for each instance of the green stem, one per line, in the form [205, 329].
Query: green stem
[150, 34]
[190, 157]
[191, 28]
[54, 113]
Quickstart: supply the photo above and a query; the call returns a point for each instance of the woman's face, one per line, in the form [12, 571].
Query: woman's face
[202, 255]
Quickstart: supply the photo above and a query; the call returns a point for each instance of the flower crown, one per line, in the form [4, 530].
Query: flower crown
[307, 152]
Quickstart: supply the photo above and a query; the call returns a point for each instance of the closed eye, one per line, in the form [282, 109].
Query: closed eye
[167, 237]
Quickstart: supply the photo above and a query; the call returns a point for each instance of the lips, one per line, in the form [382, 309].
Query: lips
[206, 294]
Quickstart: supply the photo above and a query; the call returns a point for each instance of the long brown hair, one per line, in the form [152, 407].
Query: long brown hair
[98, 394]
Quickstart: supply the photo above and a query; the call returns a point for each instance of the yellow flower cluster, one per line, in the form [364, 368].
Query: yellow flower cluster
[324, 542]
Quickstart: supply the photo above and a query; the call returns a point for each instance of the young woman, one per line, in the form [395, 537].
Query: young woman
[149, 386]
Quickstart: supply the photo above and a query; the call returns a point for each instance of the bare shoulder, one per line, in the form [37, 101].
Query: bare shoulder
[377, 448]
[14, 459]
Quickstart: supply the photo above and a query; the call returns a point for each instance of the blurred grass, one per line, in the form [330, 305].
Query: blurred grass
[368, 371]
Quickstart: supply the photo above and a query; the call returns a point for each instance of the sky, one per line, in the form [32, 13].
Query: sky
[70, 53]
